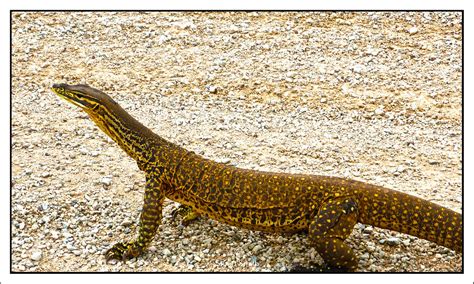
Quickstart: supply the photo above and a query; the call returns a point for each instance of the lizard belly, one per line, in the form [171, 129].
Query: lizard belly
[278, 219]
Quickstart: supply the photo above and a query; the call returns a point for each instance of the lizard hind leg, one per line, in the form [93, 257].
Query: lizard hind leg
[332, 224]
[187, 214]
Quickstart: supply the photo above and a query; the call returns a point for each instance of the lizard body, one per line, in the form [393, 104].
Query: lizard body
[326, 207]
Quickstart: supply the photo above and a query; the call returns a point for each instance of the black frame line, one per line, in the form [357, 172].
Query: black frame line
[221, 11]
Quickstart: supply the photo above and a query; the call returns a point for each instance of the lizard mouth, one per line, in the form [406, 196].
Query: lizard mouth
[73, 97]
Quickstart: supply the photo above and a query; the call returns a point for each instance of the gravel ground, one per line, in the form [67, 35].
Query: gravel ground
[370, 96]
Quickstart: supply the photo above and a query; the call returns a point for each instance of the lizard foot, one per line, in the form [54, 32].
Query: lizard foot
[186, 212]
[123, 251]
[317, 268]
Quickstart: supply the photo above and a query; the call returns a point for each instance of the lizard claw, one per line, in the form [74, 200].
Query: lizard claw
[123, 251]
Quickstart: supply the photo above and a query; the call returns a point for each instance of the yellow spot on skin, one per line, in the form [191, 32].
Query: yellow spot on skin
[321, 187]
[328, 220]
[376, 195]
[436, 224]
[405, 212]
[336, 194]
[342, 188]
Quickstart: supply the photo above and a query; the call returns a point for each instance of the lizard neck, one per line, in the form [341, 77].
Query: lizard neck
[138, 141]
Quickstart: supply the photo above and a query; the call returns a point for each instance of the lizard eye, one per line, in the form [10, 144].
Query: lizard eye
[95, 107]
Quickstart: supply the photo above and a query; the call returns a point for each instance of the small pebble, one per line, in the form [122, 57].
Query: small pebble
[166, 252]
[413, 30]
[106, 181]
[37, 255]
[379, 111]
[256, 248]
[365, 256]
[45, 174]
[358, 68]
[393, 241]
[368, 229]
[126, 223]
[212, 89]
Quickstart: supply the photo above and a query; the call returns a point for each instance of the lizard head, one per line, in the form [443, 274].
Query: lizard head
[83, 96]
[98, 105]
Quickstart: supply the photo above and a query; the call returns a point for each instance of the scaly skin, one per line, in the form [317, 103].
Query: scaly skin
[326, 207]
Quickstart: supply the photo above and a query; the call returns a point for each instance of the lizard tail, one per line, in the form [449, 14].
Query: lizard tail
[393, 210]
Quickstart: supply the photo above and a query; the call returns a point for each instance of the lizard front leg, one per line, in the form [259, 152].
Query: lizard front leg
[150, 219]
